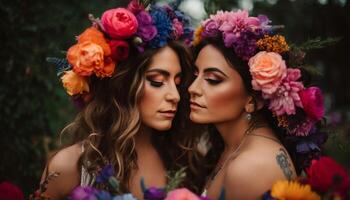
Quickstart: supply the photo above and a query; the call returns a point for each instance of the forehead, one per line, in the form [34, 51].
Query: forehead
[166, 59]
[209, 56]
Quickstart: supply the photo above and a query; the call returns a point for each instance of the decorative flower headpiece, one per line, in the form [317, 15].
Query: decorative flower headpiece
[106, 43]
[298, 109]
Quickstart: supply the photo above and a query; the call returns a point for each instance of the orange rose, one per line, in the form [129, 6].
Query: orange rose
[107, 70]
[267, 70]
[74, 84]
[85, 58]
[93, 35]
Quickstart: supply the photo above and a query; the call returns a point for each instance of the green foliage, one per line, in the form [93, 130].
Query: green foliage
[175, 179]
[316, 43]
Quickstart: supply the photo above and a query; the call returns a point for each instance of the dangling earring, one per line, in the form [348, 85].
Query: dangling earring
[248, 117]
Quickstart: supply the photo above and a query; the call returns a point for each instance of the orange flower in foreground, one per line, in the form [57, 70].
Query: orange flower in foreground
[93, 35]
[291, 190]
[74, 84]
[85, 58]
[107, 70]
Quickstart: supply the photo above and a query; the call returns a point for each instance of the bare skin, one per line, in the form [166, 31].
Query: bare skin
[249, 165]
[157, 108]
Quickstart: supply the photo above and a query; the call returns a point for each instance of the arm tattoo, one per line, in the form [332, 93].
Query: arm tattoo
[283, 162]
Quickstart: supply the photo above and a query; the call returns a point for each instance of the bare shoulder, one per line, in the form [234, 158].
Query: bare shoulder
[65, 163]
[256, 168]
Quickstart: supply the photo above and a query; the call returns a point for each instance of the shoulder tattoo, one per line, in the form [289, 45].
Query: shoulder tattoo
[283, 162]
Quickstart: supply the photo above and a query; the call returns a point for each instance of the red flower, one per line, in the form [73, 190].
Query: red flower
[10, 191]
[119, 23]
[312, 100]
[325, 174]
[120, 49]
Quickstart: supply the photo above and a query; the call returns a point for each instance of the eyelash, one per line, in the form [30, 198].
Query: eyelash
[155, 83]
[212, 81]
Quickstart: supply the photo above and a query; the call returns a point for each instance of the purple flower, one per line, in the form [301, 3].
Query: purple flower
[147, 33]
[146, 30]
[154, 193]
[143, 18]
[103, 195]
[211, 29]
[105, 174]
[83, 193]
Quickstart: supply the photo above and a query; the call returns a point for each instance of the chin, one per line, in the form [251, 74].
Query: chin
[199, 119]
[162, 126]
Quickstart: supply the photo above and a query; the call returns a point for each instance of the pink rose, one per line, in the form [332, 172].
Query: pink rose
[178, 29]
[119, 23]
[181, 194]
[120, 49]
[312, 100]
[268, 70]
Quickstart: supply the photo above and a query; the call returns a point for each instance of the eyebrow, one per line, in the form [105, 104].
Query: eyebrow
[212, 69]
[163, 72]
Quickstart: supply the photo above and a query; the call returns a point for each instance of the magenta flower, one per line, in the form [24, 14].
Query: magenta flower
[84, 193]
[211, 29]
[312, 100]
[286, 98]
[178, 29]
[135, 6]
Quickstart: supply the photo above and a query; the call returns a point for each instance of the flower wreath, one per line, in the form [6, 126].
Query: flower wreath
[298, 109]
[106, 43]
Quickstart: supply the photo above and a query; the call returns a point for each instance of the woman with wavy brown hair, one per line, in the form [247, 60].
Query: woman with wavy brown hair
[136, 107]
[258, 111]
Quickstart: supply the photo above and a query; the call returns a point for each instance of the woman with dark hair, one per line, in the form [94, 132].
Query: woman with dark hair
[132, 72]
[249, 98]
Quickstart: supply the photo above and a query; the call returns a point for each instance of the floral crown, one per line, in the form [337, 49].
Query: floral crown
[298, 109]
[106, 43]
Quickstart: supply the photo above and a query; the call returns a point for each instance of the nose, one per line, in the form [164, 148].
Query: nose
[173, 95]
[194, 88]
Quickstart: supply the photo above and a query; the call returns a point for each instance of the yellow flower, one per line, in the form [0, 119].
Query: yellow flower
[292, 190]
[276, 43]
[197, 35]
[74, 84]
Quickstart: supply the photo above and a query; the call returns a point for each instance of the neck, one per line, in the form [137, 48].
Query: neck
[232, 132]
[143, 138]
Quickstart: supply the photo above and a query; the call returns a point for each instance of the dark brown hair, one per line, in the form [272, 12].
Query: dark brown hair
[107, 125]
[259, 116]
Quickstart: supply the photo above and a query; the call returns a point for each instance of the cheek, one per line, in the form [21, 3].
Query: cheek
[149, 101]
[225, 102]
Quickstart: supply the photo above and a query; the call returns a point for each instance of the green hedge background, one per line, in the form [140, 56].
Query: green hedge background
[34, 107]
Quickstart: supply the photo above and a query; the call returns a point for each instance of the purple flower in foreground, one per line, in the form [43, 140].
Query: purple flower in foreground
[154, 193]
[83, 193]
[104, 175]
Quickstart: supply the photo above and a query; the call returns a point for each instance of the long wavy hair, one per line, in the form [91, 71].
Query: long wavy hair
[108, 124]
[260, 117]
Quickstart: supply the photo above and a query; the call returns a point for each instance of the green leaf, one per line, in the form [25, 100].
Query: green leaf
[175, 179]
